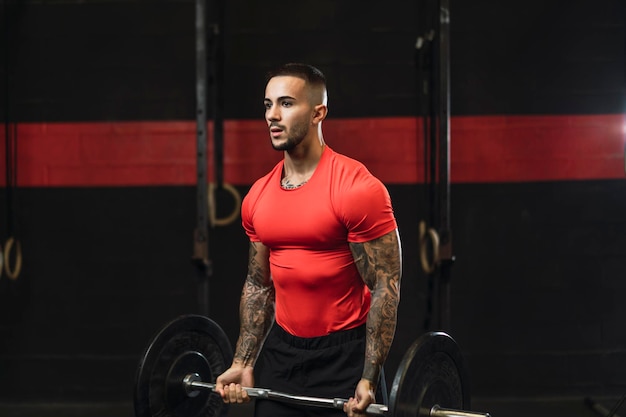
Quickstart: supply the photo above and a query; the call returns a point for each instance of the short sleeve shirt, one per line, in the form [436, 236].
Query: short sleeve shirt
[307, 230]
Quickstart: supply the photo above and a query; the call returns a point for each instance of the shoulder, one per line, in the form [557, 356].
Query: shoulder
[361, 201]
[352, 177]
[256, 190]
[252, 198]
[344, 162]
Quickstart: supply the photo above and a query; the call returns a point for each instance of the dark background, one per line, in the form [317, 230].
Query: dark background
[537, 289]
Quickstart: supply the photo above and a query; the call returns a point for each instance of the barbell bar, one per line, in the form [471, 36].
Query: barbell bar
[192, 381]
[174, 373]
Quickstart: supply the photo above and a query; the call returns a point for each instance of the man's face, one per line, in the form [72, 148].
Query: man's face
[288, 111]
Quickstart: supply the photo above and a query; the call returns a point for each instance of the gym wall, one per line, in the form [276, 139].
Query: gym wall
[101, 97]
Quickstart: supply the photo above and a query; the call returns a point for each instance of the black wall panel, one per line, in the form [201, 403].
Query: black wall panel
[71, 61]
[537, 57]
[104, 269]
[538, 278]
[133, 60]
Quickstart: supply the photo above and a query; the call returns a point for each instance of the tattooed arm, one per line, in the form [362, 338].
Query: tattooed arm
[256, 310]
[380, 265]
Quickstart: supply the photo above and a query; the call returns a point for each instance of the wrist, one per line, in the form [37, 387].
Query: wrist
[371, 373]
[372, 384]
[242, 363]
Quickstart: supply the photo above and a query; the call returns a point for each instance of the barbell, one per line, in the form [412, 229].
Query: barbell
[174, 374]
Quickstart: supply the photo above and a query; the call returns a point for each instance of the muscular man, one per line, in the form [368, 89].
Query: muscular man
[319, 303]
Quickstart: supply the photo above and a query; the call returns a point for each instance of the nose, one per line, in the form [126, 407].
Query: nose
[272, 113]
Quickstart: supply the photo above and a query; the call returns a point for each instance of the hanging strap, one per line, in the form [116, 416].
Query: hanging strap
[216, 82]
[12, 253]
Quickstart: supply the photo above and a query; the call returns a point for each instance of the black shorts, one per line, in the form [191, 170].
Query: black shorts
[328, 367]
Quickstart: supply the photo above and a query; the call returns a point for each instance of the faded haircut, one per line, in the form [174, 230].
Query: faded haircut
[311, 75]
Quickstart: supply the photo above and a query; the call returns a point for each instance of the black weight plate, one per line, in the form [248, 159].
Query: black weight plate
[189, 344]
[432, 372]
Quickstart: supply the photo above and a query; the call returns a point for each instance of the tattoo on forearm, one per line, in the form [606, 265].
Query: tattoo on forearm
[379, 263]
[256, 308]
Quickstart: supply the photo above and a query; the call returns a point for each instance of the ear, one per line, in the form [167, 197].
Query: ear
[319, 113]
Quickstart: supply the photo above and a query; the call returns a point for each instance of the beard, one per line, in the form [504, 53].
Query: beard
[294, 137]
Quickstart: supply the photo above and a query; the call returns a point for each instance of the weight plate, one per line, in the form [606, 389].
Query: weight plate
[432, 372]
[189, 344]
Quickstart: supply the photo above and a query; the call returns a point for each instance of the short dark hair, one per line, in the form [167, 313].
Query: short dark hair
[308, 73]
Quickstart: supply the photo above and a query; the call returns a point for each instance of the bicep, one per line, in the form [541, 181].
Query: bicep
[258, 264]
[379, 260]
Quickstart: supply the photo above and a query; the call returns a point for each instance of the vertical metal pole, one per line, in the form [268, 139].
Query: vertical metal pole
[216, 58]
[428, 65]
[445, 251]
[7, 123]
[425, 89]
[434, 134]
[204, 267]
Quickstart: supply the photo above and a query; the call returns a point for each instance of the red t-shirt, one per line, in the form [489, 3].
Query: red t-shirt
[318, 287]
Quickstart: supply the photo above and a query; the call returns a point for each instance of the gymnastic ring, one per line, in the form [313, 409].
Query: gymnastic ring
[224, 221]
[12, 274]
[428, 267]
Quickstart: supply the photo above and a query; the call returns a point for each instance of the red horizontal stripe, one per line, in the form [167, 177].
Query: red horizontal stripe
[483, 149]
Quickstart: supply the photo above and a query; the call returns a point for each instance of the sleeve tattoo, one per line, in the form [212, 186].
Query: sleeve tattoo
[256, 308]
[380, 265]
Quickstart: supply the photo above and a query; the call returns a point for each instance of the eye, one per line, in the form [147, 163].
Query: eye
[287, 103]
[267, 105]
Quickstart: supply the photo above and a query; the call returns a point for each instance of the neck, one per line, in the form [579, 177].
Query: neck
[304, 158]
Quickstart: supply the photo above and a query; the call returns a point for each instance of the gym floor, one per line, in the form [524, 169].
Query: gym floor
[499, 407]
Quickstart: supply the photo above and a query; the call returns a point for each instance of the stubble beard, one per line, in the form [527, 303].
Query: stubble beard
[294, 137]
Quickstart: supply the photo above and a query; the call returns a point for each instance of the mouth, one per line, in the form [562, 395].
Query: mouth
[275, 131]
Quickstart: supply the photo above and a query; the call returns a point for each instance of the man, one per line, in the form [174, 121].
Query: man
[323, 283]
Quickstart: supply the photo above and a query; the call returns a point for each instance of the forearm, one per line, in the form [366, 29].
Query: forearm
[256, 312]
[381, 327]
[256, 308]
